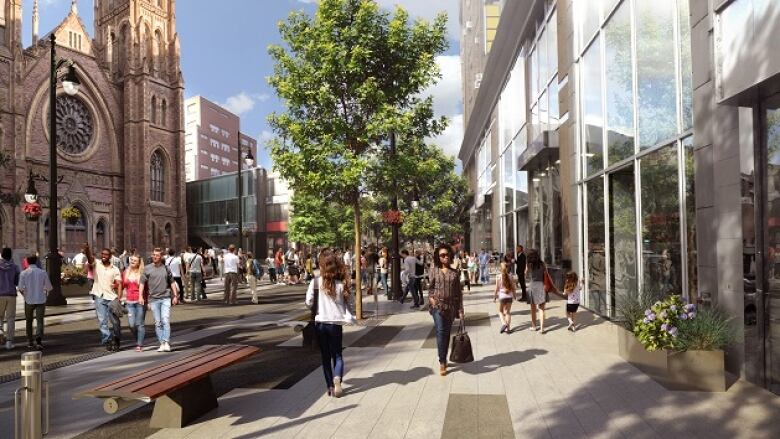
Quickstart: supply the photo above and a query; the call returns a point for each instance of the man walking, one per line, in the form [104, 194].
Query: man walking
[174, 265]
[163, 291]
[107, 288]
[9, 279]
[186, 258]
[231, 275]
[34, 285]
[410, 266]
[520, 262]
[195, 273]
[484, 275]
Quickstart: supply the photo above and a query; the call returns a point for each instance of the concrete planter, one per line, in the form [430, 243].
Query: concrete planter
[690, 370]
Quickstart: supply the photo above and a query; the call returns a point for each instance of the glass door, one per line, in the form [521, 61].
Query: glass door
[622, 238]
[771, 299]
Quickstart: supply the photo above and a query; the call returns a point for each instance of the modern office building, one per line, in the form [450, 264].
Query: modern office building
[636, 141]
[212, 206]
[212, 137]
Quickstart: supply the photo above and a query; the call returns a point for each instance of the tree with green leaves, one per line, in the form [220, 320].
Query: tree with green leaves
[348, 76]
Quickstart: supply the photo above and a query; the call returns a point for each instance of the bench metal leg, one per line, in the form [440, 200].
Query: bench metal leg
[181, 407]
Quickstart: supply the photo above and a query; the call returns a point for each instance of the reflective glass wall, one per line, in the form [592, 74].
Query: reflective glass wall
[636, 158]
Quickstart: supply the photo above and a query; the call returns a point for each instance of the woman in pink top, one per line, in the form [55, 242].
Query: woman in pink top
[136, 305]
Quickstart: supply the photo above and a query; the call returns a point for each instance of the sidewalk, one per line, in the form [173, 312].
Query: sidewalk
[524, 385]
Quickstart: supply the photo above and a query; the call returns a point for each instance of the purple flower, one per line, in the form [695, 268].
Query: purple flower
[673, 331]
[673, 308]
[689, 307]
[648, 312]
[645, 321]
[651, 316]
[692, 315]
[664, 327]
[684, 316]
[663, 314]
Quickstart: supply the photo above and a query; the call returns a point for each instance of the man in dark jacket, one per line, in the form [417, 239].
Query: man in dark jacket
[520, 267]
[9, 280]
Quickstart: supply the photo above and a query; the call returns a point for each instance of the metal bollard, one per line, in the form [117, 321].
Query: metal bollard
[31, 421]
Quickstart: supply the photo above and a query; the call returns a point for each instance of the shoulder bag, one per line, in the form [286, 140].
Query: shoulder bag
[309, 334]
[461, 346]
[548, 285]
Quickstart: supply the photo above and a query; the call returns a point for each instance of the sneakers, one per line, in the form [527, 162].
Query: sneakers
[138, 349]
[161, 348]
[167, 346]
[337, 390]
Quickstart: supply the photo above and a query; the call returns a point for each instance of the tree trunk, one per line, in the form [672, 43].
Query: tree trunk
[358, 291]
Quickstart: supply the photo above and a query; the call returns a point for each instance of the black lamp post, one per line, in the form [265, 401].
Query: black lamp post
[395, 269]
[70, 84]
[249, 160]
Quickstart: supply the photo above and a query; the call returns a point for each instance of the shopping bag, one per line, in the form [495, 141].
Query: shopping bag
[461, 346]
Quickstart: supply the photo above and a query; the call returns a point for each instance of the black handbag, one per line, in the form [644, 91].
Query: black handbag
[461, 346]
[309, 333]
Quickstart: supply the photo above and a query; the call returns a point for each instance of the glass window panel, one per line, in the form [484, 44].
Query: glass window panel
[509, 180]
[509, 233]
[534, 131]
[592, 109]
[541, 48]
[536, 213]
[620, 93]
[552, 44]
[686, 66]
[544, 117]
[554, 111]
[588, 20]
[622, 237]
[534, 67]
[596, 263]
[661, 222]
[519, 106]
[552, 216]
[690, 218]
[656, 71]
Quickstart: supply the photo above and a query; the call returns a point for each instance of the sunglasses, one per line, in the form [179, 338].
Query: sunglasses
[444, 255]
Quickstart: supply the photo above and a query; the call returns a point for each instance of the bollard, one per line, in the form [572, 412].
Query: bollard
[31, 422]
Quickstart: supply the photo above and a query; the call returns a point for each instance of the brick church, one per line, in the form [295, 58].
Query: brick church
[120, 139]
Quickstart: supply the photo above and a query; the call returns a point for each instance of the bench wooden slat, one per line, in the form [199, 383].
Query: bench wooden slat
[150, 384]
[183, 360]
[167, 370]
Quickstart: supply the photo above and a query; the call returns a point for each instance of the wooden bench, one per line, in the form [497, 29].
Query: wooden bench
[181, 389]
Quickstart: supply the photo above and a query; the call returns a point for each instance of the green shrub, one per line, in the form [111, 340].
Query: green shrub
[709, 331]
[631, 309]
[659, 328]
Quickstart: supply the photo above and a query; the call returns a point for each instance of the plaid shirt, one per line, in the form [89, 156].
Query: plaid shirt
[444, 291]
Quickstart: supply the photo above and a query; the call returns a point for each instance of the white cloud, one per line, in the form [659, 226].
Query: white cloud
[447, 101]
[452, 137]
[240, 103]
[427, 9]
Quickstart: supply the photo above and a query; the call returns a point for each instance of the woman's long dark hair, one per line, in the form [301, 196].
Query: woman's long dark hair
[332, 269]
[534, 261]
[437, 260]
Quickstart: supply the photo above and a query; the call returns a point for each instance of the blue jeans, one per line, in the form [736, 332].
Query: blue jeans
[383, 281]
[104, 315]
[136, 314]
[411, 285]
[484, 275]
[329, 337]
[161, 309]
[443, 327]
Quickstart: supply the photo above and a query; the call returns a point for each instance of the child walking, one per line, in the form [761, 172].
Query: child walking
[505, 293]
[571, 289]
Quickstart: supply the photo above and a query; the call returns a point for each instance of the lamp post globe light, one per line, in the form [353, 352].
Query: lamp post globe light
[70, 84]
[249, 160]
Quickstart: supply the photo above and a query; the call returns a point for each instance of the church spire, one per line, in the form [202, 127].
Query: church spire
[35, 20]
[74, 9]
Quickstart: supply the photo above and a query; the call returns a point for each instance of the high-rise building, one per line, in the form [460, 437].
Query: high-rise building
[120, 139]
[212, 139]
[636, 142]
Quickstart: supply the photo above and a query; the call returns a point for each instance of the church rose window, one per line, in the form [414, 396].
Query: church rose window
[74, 125]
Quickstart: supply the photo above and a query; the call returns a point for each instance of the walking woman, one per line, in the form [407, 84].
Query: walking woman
[472, 267]
[136, 310]
[505, 293]
[333, 301]
[464, 272]
[383, 264]
[534, 271]
[445, 301]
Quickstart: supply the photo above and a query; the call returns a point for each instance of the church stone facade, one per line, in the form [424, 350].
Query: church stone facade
[120, 139]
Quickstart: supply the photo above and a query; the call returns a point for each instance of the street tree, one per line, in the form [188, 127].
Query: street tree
[348, 76]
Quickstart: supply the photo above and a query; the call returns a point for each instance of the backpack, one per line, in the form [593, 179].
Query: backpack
[257, 269]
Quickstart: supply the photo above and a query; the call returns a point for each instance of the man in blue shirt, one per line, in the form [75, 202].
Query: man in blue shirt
[9, 279]
[34, 285]
[484, 275]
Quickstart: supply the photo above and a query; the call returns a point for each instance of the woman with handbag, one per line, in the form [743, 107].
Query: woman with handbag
[535, 271]
[445, 301]
[329, 298]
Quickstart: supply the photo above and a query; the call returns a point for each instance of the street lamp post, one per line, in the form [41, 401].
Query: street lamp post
[70, 85]
[249, 160]
[395, 270]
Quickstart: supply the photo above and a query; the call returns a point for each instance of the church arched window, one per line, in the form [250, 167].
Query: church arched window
[163, 112]
[154, 109]
[158, 38]
[157, 169]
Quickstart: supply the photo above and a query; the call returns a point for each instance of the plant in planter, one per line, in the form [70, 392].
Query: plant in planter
[678, 345]
[70, 214]
[32, 211]
[73, 275]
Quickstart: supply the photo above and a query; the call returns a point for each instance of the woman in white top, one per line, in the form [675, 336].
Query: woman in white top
[505, 293]
[333, 298]
[383, 263]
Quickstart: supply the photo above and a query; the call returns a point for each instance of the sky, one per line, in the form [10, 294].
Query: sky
[225, 58]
